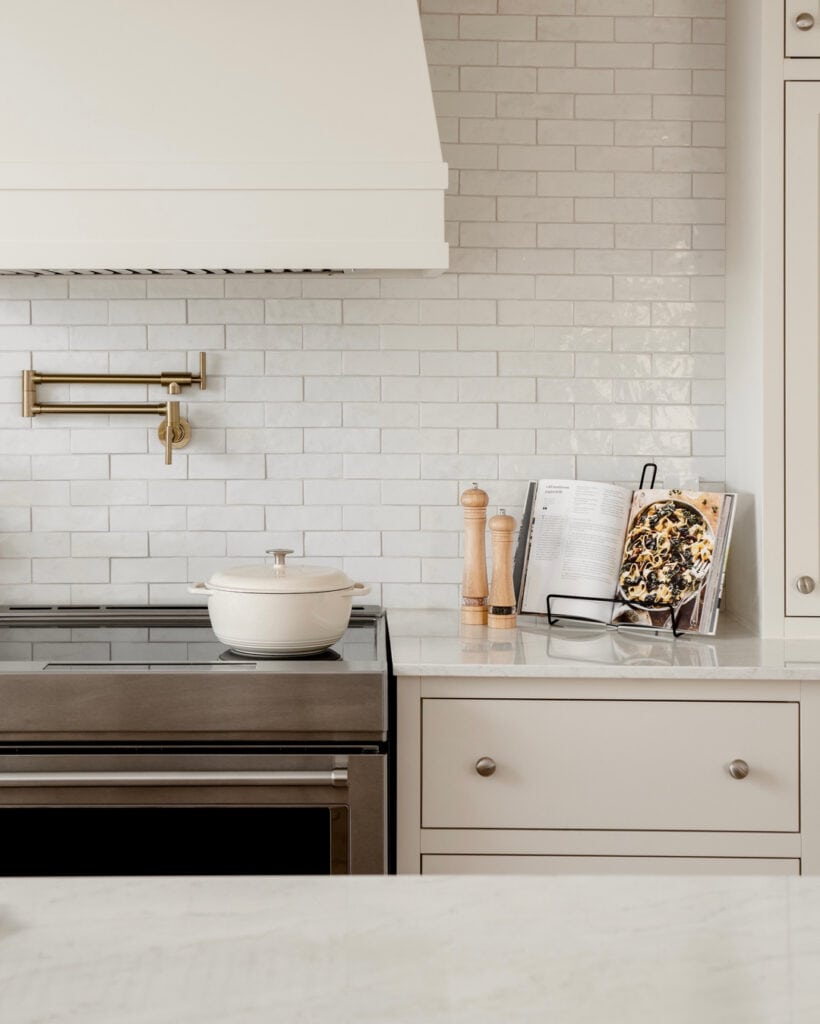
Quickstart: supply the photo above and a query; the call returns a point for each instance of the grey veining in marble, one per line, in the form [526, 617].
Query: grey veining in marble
[435, 643]
[574, 950]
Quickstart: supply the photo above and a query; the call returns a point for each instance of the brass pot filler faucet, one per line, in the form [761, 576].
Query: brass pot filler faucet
[174, 431]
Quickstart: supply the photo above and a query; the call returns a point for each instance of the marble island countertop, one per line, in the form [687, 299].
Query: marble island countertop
[435, 643]
[406, 950]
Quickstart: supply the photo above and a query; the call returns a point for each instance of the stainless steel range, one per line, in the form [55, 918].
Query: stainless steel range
[133, 742]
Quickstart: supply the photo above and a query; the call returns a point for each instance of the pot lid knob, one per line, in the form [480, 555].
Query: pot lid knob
[279, 556]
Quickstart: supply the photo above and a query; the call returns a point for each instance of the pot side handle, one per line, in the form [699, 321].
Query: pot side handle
[200, 588]
[357, 590]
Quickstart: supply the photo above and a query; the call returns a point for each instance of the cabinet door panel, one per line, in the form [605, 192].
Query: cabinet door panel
[805, 41]
[600, 764]
[483, 864]
[802, 346]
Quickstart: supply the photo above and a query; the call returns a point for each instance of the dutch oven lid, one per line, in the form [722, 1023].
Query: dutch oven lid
[280, 578]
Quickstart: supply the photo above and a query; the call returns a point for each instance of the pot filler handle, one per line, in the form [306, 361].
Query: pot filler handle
[200, 588]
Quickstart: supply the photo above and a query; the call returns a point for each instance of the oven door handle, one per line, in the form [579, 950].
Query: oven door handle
[334, 777]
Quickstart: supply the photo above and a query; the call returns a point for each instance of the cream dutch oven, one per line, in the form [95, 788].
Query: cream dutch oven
[279, 610]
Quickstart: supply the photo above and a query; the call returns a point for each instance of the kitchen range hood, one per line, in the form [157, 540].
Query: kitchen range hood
[217, 135]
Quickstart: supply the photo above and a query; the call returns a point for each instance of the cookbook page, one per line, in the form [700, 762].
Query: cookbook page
[574, 546]
[675, 555]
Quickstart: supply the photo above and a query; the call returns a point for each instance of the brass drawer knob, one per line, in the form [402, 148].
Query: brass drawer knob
[738, 769]
[485, 766]
[804, 21]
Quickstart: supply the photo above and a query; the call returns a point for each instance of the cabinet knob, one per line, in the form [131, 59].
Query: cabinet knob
[804, 21]
[485, 766]
[805, 584]
[738, 769]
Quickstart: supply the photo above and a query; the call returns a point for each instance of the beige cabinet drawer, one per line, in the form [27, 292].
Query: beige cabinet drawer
[483, 864]
[610, 764]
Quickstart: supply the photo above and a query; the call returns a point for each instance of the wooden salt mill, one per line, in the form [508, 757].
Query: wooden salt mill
[474, 580]
[502, 594]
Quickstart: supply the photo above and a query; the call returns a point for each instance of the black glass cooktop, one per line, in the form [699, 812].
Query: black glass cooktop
[155, 637]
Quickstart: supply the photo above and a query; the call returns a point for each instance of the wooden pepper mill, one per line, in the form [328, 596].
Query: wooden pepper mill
[502, 594]
[474, 580]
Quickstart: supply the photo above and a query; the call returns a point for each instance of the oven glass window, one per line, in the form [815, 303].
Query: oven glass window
[173, 841]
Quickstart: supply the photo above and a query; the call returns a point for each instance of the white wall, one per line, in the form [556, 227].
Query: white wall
[578, 332]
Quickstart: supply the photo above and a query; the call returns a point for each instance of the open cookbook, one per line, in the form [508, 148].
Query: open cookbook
[649, 553]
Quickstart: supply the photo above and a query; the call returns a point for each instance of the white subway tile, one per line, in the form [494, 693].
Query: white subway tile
[24, 492]
[147, 570]
[165, 544]
[496, 389]
[457, 414]
[459, 467]
[342, 543]
[650, 339]
[459, 53]
[341, 439]
[499, 130]
[63, 312]
[422, 492]
[496, 26]
[655, 82]
[612, 417]
[342, 492]
[303, 311]
[109, 544]
[36, 339]
[14, 520]
[105, 338]
[103, 287]
[573, 339]
[185, 286]
[689, 56]
[380, 466]
[255, 336]
[553, 7]
[542, 415]
[141, 311]
[24, 546]
[298, 518]
[303, 414]
[502, 441]
[263, 286]
[69, 570]
[69, 467]
[266, 492]
[419, 440]
[653, 30]
[230, 518]
[134, 518]
[588, 29]
[575, 442]
[653, 391]
[660, 442]
[226, 311]
[380, 414]
[271, 439]
[182, 492]
[614, 158]
[535, 364]
[534, 104]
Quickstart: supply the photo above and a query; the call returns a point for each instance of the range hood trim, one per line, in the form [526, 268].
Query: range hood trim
[25, 177]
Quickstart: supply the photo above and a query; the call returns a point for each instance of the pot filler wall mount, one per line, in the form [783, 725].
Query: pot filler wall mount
[173, 432]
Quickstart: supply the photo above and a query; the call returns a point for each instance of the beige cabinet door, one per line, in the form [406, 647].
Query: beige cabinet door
[486, 864]
[609, 764]
[802, 28]
[802, 349]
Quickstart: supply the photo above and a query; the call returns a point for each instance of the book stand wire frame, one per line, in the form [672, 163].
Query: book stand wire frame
[553, 619]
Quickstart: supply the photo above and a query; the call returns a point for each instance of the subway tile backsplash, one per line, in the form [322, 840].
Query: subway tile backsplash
[578, 332]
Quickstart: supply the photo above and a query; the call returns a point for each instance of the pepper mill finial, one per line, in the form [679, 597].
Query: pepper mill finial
[502, 592]
[474, 588]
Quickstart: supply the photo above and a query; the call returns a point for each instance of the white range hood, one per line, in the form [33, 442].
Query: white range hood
[217, 134]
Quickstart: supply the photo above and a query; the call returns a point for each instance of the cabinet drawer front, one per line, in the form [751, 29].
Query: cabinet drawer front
[482, 864]
[605, 764]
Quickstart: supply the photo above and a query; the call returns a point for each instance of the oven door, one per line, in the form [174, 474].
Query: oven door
[174, 810]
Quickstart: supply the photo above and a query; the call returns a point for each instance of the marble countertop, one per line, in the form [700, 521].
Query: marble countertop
[435, 643]
[579, 950]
